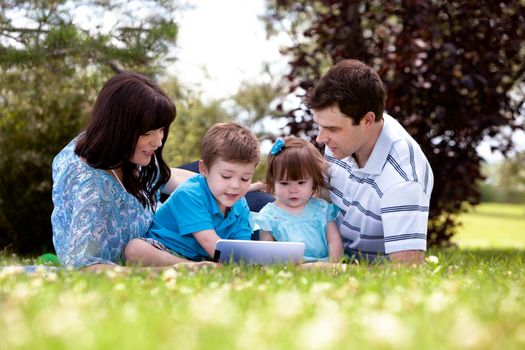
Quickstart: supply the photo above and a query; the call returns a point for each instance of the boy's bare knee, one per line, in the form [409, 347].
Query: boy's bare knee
[133, 249]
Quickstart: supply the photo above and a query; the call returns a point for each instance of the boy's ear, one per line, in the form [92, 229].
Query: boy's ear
[202, 168]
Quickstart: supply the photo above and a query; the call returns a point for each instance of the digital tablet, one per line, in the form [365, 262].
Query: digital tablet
[258, 252]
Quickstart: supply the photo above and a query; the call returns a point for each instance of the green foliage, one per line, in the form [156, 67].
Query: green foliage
[505, 181]
[194, 117]
[52, 64]
[254, 102]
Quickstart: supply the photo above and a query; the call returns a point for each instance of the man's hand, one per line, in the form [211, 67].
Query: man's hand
[407, 257]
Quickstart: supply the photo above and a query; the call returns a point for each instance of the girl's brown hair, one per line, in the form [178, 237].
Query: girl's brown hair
[298, 159]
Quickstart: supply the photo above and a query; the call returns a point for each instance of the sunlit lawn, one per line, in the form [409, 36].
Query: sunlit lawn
[493, 225]
[464, 299]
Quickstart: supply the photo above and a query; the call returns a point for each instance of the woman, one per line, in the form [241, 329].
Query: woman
[106, 181]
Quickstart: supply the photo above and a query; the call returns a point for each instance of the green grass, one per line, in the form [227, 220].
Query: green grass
[492, 225]
[469, 298]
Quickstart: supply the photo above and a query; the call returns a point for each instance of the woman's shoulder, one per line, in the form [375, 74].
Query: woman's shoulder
[71, 173]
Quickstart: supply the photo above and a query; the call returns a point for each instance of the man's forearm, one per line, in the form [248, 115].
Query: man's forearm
[408, 257]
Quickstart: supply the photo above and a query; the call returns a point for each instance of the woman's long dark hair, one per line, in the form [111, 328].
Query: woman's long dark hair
[128, 106]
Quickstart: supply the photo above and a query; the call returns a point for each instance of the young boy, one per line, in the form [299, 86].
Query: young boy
[207, 207]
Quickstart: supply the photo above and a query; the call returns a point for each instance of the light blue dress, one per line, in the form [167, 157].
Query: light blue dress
[308, 227]
[93, 216]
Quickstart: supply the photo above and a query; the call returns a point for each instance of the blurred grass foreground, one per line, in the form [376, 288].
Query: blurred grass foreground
[471, 297]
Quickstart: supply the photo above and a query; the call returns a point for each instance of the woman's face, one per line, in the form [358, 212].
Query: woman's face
[146, 146]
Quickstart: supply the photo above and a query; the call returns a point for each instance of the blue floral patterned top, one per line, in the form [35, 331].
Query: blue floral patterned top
[93, 216]
[308, 227]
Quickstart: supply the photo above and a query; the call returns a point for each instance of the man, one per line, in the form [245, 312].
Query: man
[379, 177]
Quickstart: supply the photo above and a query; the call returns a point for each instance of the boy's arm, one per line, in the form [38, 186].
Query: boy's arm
[265, 236]
[207, 239]
[335, 245]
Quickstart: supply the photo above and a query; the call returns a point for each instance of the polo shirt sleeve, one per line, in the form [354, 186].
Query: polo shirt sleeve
[192, 211]
[404, 213]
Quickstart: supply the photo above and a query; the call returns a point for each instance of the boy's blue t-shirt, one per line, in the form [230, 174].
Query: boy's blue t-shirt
[192, 208]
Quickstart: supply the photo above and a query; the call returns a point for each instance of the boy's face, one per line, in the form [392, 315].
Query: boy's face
[228, 182]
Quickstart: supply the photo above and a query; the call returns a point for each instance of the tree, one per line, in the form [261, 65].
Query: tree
[194, 118]
[505, 180]
[449, 68]
[54, 56]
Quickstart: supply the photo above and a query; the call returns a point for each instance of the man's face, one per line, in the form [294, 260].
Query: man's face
[338, 132]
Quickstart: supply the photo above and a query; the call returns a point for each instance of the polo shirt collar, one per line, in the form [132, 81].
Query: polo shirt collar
[377, 159]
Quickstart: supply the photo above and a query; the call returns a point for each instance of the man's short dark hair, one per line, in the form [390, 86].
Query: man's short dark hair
[353, 87]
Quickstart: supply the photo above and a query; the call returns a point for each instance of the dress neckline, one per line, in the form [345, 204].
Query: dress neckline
[118, 179]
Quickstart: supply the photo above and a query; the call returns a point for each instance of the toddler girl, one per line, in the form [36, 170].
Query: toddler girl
[296, 172]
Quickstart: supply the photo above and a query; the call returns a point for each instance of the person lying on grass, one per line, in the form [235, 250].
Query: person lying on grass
[206, 208]
[379, 177]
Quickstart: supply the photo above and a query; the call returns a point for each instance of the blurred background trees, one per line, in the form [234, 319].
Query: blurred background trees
[505, 180]
[453, 71]
[54, 56]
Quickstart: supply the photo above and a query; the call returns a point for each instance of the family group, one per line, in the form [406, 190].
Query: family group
[367, 197]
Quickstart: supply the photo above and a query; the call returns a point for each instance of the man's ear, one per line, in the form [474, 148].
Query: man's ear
[202, 168]
[369, 119]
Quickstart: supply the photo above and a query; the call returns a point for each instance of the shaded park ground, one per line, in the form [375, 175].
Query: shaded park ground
[470, 297]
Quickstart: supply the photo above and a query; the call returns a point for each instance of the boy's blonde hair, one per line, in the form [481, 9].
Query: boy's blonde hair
[231, 142]
[297, 160]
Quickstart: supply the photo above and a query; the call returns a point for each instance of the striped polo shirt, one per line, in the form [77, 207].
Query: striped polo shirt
[384, 205]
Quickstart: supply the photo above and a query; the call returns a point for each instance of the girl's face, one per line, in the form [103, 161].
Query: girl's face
[293, 195]
[146, 146]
